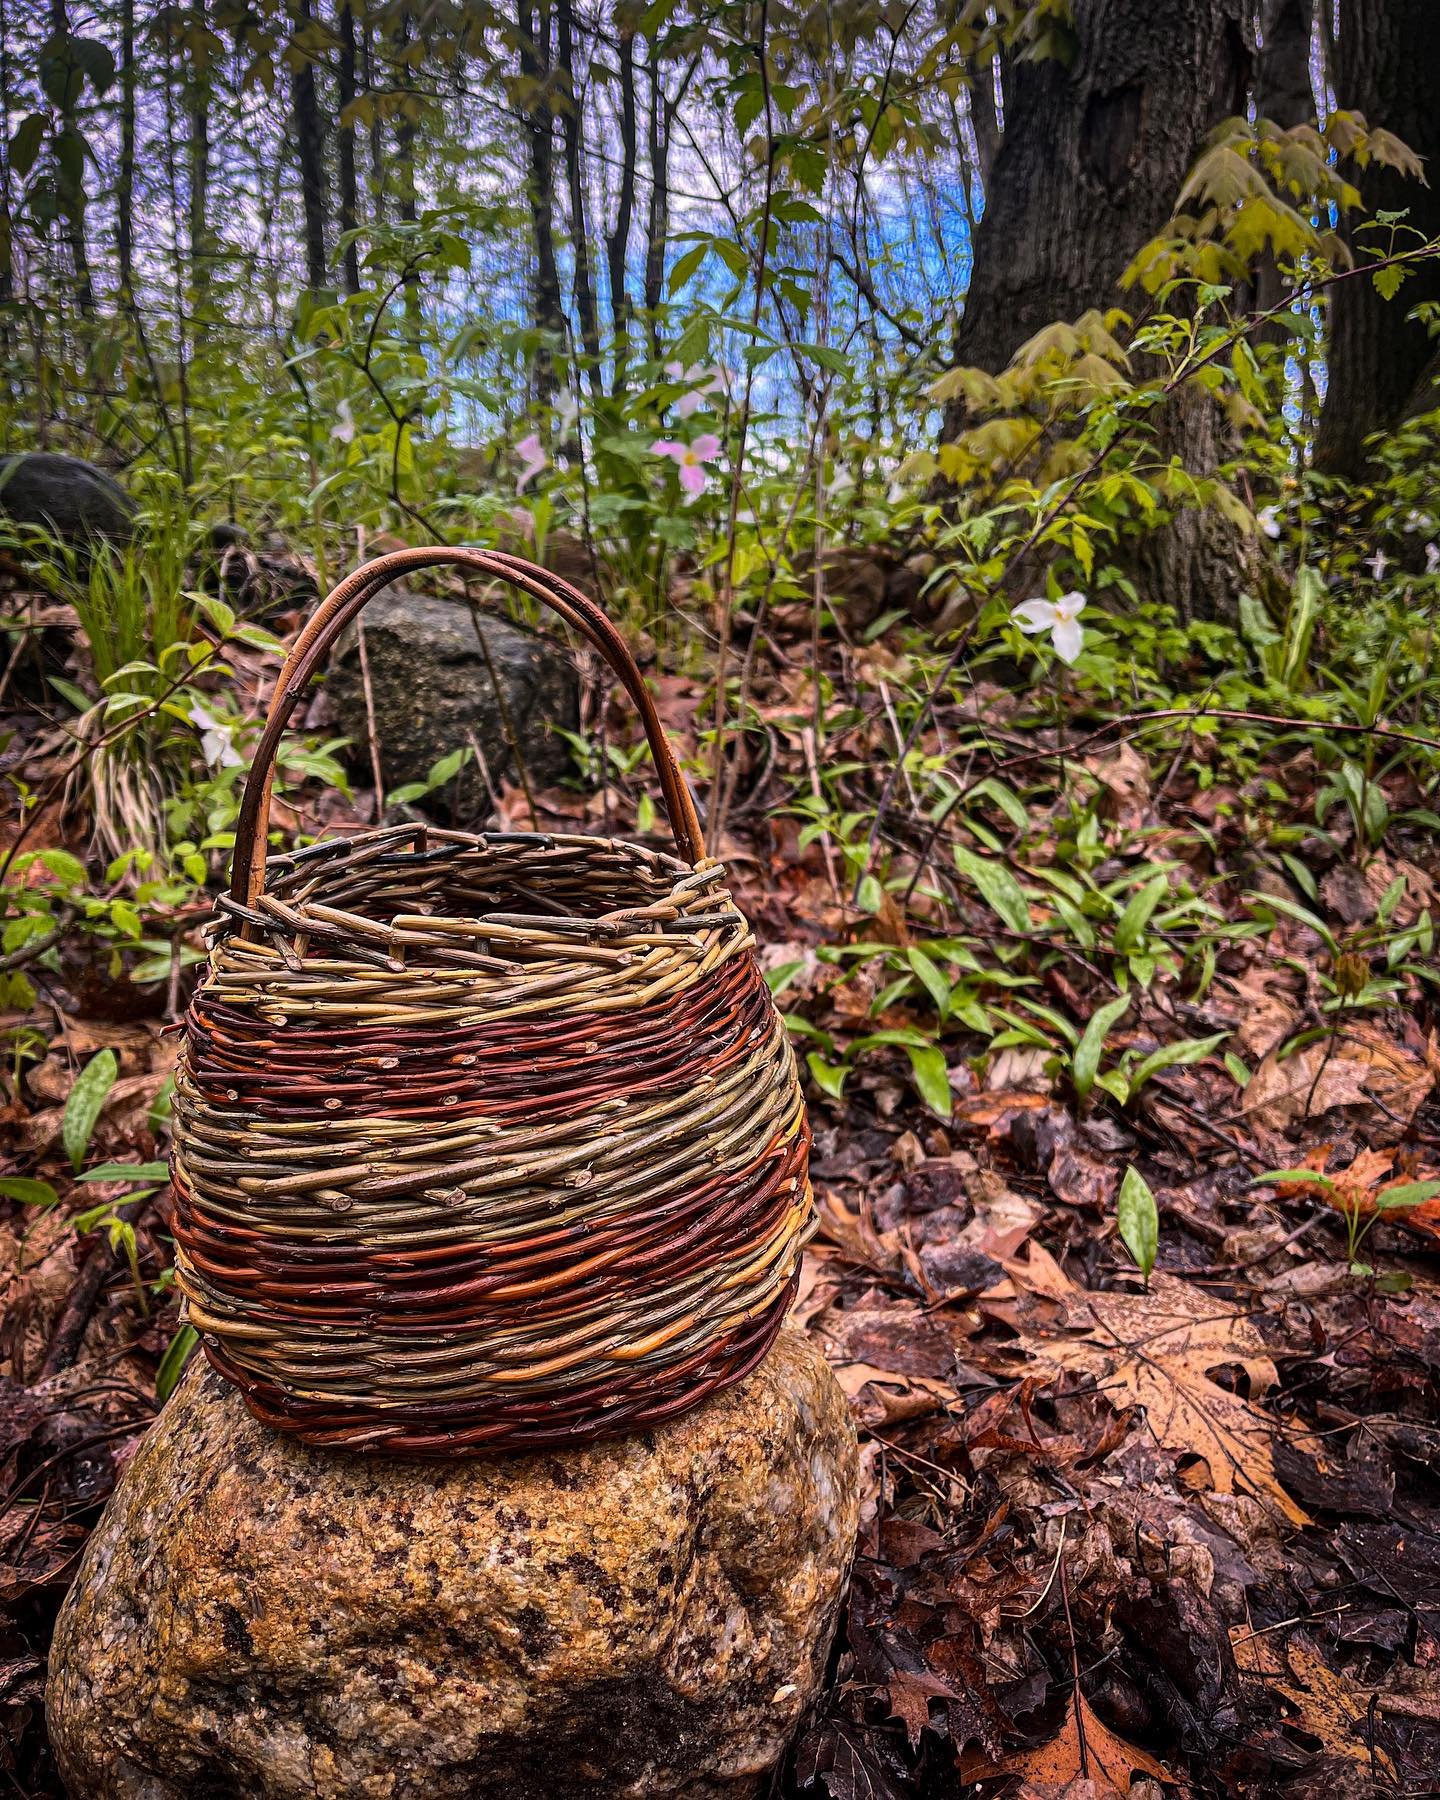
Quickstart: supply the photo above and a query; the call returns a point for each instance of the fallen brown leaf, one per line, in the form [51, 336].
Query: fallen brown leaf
[1363, 1066]
[1361, 1188]
[1324, 1705]
[1086, 1750]
[1156, 1350]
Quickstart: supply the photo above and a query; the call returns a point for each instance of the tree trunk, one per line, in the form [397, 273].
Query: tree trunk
[377, 128]
[1091, 161]
[406, 186]
[657, 225]
[345, 129]
[1087, 171]
[70, 169]
[573, 123]
[1282, 70]
[617, 244]
[125, 170]
[310, 151]
[1386, 65]
[1284, 95]
[549, 313]
[198, 220]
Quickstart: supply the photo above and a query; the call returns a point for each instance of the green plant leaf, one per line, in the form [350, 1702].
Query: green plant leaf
[1412, 1193]
[1170, 1056]
[932, 1081]
[828, 1077]
[1293, 910]
[86, 1101]
[113, 1171]
[1086, 1064]
[1138, 1219]
[172, 1363]
[28, 1191]
[934, 982]
[1136, 916]
[997, 887]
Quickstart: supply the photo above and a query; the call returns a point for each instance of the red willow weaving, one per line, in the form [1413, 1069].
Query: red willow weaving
[483, 1141]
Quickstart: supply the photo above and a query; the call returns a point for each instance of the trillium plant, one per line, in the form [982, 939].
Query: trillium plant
[704, 385]
[532, 460]
[690, 459]
[1061, 618]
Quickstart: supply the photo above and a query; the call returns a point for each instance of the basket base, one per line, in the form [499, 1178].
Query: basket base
[623, 1404]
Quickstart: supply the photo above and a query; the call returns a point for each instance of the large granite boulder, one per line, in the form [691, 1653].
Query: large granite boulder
[435, 689]
[255, 1620]
[66, 495]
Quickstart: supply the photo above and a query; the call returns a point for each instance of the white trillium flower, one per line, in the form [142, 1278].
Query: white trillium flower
[1061, 618]
[1378, 564]
[1432, 558]
[1268, 519]
[215, 742]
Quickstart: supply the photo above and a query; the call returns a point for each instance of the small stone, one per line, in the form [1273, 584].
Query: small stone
[443, 677]
[66, 495]
[646, 1617]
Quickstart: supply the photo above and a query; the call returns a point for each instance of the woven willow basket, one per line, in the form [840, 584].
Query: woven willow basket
[482, 1141]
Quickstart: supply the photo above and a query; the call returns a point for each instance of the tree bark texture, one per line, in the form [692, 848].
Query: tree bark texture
[310, 153]
[1385, 64]
[617, 242]
[1282, 68]
[197, 108]
[572, 123]
[657, 225]
[70, 173]
[125, 171]
[345, 143]
[1092, 158]
[534, 25]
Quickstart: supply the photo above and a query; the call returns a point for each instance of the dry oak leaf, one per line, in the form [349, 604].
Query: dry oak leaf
[1321, 1703]
[1086, 1750]
[1363, 1066]
[1156, 1350]
[1265, 1018]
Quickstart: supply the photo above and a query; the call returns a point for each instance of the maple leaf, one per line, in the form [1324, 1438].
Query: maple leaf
[1322, 1703]
[1157, 1349]
[1086, 1750]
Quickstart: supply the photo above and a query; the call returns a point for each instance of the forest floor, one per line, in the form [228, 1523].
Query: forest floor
[1184, 1534]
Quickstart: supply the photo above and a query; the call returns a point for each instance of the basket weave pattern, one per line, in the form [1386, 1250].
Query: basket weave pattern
[484, 1141]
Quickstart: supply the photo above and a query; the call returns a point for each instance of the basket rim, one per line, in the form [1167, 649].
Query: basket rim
[412, 844]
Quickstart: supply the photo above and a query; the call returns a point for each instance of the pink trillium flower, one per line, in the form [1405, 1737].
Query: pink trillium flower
[1061, 618]
[690, 459]
[705, 385]
[532, 460]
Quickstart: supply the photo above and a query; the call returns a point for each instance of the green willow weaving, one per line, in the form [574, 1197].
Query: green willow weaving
[483, 1141]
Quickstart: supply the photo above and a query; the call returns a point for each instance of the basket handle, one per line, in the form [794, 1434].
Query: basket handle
[312, 647]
